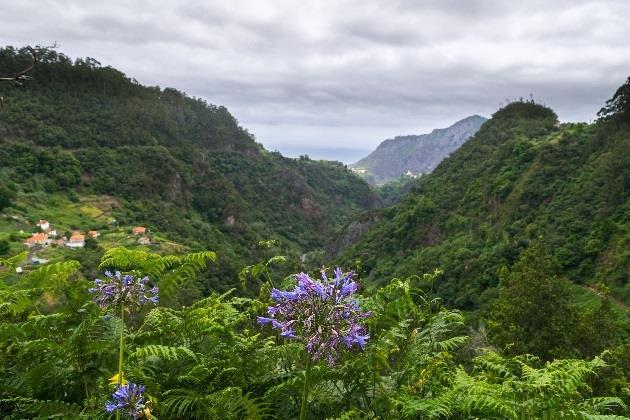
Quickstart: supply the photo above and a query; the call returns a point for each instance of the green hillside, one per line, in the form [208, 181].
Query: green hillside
[521, 178]
[176, 164]
[415, 154]
[138, 323]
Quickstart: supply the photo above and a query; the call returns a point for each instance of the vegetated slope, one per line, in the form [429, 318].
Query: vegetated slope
[416, 153]
[181, 165]
[523, 176]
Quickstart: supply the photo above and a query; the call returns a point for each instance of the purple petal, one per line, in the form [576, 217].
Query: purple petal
[265, 320]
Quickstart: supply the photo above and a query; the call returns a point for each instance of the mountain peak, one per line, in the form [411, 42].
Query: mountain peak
[415, 154]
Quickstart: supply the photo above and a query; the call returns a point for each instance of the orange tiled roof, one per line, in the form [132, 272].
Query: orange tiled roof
[38, 237]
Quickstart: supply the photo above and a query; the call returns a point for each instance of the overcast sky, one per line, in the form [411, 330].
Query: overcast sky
[343, 75]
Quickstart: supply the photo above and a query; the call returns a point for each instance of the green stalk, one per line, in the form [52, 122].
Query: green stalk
[121, 350]
[305, 390]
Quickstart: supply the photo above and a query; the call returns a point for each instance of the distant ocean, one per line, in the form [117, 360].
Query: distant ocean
[342, 154]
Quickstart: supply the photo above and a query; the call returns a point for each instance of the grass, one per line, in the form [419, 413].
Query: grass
[587, 298]
[87, 213]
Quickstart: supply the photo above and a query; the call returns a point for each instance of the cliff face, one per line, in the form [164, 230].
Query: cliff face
[351, 234]
[416, 153]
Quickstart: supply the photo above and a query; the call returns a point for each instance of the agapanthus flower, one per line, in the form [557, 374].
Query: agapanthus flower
[123, 289]
[321, 313]
[129, 399]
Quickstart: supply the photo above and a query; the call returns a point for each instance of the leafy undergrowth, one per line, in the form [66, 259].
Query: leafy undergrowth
[210, 358]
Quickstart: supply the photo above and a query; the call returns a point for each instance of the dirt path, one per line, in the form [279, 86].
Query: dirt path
[622, 305]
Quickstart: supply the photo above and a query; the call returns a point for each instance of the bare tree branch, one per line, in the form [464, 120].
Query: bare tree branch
[23, 75]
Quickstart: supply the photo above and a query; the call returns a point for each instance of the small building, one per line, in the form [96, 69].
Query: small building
[43, 225]
[144, 240]
[37, 239]
[139, 230]
[19, 270]
[94, 234]
[360, 171]
[53, 233]
[76, 241]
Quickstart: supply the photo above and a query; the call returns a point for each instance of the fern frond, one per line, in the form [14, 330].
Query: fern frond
[34, 408]
[14, 260]
[15, 302]
[168, 353]
[54, 276]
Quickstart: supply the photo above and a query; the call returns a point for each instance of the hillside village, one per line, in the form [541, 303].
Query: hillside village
[50, 236]
[48, 228]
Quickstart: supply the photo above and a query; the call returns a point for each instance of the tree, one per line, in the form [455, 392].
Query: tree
[6, 197]
[533, 313]
[5, 247]
[24, 74]
[618, 105]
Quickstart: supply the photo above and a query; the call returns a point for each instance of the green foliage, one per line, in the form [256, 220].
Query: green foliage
[533, 313]
[186, 168]
[521, 176]
[177, 164]
[619, 105]
[7, 196]
[392, 192]
[209, 359]
[169, 272]
[511, 388]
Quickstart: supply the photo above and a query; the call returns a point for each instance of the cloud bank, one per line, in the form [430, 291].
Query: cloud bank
[348, 73]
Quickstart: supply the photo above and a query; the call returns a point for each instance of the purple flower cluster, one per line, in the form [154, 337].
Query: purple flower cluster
[129, 399]
[321, 313]
[126, 290]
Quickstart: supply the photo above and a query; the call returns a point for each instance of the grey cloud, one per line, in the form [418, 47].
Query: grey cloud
[348, 73]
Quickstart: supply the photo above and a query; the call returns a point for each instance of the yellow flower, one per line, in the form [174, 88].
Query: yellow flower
[114, 380]
[147, 413]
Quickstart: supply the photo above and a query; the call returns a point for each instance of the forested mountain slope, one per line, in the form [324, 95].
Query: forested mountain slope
[416, 153]
[521, 178]
[117, 329]
[180, 165]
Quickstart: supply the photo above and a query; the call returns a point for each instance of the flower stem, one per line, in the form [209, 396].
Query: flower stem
[121, 350]
[305, 390]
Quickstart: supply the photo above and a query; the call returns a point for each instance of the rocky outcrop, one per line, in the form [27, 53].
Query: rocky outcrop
[351, 234]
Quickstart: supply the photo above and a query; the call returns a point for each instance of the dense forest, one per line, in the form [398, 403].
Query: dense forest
[177, 164]
[522, 178]
[495, 287]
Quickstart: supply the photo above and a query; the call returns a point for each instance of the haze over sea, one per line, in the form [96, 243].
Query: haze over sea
[341, 154]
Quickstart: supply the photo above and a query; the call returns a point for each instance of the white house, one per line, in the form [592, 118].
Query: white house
[76, 241]
[359, 170]
[43, 225]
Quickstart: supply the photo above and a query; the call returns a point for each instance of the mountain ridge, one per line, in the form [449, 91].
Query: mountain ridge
[522, 178]
[180, 165]
[415, 154]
